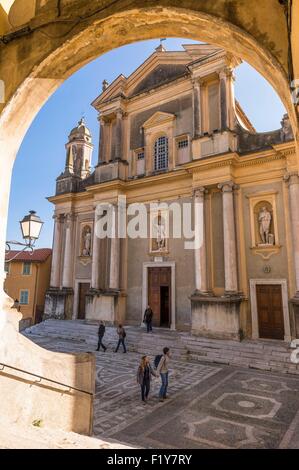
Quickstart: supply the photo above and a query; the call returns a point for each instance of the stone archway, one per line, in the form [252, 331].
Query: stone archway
[41, 71]
[62, 37]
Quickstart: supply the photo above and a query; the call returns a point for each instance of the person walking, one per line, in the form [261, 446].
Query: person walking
[121, 338]
[163, 370]
[144, 373]
[101, 333]
[148, 318]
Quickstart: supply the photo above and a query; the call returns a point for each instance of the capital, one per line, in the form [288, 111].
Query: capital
[69, 217]
[291, 178]
[227, 187]
[197, 82]
[227, 72]
[58, 217]
[119, 114]
[199, 193]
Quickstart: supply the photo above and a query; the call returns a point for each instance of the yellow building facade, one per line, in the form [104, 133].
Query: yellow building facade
[174, 136]
[27, 279]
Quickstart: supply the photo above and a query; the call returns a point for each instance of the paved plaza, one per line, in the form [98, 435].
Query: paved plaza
[209, 406]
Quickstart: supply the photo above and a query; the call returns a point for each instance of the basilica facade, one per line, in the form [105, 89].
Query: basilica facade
[175, 141]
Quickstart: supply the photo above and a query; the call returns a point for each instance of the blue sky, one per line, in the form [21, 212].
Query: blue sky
[41, 157]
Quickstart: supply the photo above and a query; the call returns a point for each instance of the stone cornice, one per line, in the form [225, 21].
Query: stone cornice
[229, 160]
[234, 159]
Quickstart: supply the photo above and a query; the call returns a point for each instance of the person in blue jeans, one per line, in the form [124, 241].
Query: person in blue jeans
[144, 373]
[163, 370]
[121, 338]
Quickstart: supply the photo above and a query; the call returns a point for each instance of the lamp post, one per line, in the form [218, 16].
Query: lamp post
[31, 226]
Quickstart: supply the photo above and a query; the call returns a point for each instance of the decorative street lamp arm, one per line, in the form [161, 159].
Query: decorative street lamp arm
[26, 247]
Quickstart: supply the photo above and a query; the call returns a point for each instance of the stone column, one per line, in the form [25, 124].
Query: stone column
[293, 181]
[67, 280]
[227, 100]
[95, 267]
[102, 143]
[118, 136]
[223, 100]
[196, 109]
[229, 234]
[114, 253]
[200, 256]
[57, 240]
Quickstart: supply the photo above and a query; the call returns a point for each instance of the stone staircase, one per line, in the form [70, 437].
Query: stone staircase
[261, 354]
[137, 339]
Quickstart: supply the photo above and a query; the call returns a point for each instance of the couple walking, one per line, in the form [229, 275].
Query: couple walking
[145, 371]
[121, 337]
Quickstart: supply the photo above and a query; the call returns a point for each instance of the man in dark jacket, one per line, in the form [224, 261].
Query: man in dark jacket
[101, 333]
[148, 318]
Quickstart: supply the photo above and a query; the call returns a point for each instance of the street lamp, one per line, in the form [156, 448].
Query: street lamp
[31, 226]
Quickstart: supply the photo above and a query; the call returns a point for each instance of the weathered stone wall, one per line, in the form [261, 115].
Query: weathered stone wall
[59, 395]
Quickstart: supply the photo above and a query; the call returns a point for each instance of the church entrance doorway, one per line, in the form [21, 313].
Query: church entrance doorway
[83, 289]
[164, 306]
[270, 311]
[159, 294]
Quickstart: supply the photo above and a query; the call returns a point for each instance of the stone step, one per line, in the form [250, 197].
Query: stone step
[264, 355]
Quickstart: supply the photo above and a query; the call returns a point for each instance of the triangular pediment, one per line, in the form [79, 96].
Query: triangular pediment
[159, 68]
[157, 119]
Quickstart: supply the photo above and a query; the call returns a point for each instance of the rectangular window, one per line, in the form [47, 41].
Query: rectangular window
[24, 297]
[27, 268]
[183, 154]
[6, 267]
[183, 143]
[139, 159]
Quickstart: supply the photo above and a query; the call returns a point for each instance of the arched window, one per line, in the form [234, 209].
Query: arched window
[161, 153]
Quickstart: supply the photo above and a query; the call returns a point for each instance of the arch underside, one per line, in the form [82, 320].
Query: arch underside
[50, 55]
[36, 63]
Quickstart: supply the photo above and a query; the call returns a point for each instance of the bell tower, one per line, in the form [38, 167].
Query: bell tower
[78, 159]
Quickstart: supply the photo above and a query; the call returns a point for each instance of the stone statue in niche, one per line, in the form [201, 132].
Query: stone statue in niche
[159, 241]
[86, 241]
[265, 218]
[161, 238]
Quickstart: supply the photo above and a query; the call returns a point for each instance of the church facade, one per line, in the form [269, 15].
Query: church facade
[174, 141]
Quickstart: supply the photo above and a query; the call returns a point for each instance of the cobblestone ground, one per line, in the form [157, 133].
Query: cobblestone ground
[209, 406]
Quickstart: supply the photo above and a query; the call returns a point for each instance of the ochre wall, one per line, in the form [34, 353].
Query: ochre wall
[44, 274]
[36, 283]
